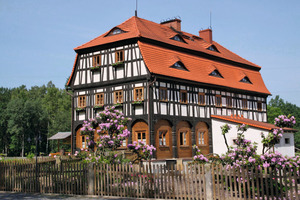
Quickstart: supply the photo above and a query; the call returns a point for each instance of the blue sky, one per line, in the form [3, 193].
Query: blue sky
[37, 37]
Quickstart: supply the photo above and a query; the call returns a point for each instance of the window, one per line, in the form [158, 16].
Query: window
[218, 100]
[115, 31]
[84, 145]
[201, 98]
[163, 94]
[119, 56]
[244, 104]
[163, 138]
[81, 101]
[259, 106]
[216, 73]
[179, 65]
[286, 140]
[118, 96]
[141, 136]
[96, 61]
[178, 38]
[183, 138]
[213, 48]
[229, 102]
[183, 96]
[235, 141]
[124, 144]
[138, 94]
[246, 80]
[201, 138]
[99, 101]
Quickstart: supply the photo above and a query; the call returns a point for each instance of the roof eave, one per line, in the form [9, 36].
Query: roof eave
[213, 85]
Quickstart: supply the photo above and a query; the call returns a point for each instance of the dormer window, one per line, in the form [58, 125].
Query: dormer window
[178, 38]
[216, 73]
[179, 65]
[246, 80]
[115, 31]
[213, 48]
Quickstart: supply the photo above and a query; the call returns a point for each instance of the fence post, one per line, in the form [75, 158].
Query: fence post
[208, 181]
[91, 179]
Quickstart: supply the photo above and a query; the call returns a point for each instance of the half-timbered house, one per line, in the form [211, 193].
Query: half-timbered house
[168, 81]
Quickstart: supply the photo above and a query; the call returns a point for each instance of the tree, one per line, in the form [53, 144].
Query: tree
[277, 106]
[111, 124]
[5, 95]
[25, 113]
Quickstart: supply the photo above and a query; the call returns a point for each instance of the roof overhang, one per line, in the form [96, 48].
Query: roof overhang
[60, 136]
[253, 123]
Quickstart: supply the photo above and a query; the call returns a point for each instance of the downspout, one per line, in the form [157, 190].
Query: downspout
[72, 115]
[150, 83]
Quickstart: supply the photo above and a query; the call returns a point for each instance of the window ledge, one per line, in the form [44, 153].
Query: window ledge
[164, 101]
[78, 109]
[118, 105]
[95, 68]
[185, 146]
[121, 148]
[164, 147]
[98, 106]
[117, 64]
[141, 102]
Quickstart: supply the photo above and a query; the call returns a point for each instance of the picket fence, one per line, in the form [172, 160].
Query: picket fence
[197, 182]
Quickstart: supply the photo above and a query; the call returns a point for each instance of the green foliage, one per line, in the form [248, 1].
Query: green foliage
[30, 155]
[277, 106]
[27, 113]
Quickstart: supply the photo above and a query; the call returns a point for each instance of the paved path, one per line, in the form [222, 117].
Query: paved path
[15, 195]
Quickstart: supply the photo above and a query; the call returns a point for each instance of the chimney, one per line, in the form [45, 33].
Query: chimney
[175, 23]
[206, 35]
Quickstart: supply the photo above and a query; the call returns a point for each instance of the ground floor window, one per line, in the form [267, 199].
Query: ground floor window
[141, 136]
[140, 132]
[183, 138]
[163, 134]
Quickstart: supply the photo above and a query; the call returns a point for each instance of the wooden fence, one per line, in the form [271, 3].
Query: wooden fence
[150, 181]
[255, 183]
[64, 178]
[201, 182]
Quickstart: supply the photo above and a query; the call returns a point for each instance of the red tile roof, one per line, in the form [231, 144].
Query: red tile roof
[159, 59]
[253, 123]
[73, 70]
[136, 27]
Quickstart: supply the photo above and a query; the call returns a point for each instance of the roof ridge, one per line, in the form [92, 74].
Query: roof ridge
[136, 26]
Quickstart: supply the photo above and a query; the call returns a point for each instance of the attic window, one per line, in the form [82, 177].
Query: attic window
[213, 48]
[115, 31]
[246, 80]
[178, 38]
[216, 73]
[179, 65]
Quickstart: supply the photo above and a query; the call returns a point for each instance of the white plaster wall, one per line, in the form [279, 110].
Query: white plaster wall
[120, 72]
[163, 107]
[138, 110]
[253, 134]
[184, 110]
[82, 116]
[286, 149]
